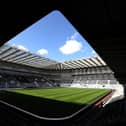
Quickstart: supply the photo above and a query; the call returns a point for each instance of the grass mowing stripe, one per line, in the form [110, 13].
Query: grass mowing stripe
[71, 93]
[60, 91]
[37, 93]
[96, 97]
[46, 93]
[41, 90]
[76, 95]
[48, 90]
[84, 95]
[58, 94]
[52, 91]
[55, 92]
[90, 98]
[64, 94]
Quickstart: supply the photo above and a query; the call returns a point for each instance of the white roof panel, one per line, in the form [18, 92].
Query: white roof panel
[24, 57]
[14, 55]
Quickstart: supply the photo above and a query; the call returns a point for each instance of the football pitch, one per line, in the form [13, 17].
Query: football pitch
[52, 102]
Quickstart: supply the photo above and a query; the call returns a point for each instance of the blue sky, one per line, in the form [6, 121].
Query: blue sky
[53, 37]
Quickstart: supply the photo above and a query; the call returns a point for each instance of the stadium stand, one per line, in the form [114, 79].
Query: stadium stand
[19, 71]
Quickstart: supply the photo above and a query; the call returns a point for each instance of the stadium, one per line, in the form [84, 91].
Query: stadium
[48, 90]
[37, 90]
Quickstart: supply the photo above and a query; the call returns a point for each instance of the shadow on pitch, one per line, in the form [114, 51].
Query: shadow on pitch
[41, 106]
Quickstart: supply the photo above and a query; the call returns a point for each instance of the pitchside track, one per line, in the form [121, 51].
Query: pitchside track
[52, 102]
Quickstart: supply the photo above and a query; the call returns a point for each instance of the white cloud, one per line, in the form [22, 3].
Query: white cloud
[74, 36]
[42, 51]
[21, 47]
[70, 47]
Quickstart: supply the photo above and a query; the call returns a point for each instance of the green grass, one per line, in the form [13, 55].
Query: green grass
[75, 95]
[53, 102]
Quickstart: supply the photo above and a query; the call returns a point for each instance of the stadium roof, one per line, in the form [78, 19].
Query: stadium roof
[80, 63]
[14, 55]
[88, 62]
